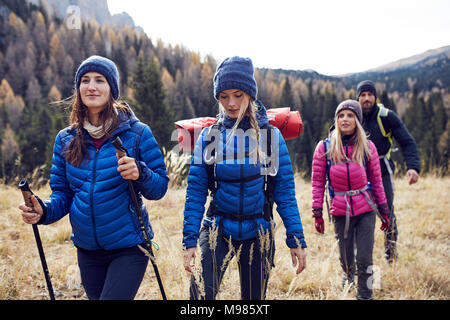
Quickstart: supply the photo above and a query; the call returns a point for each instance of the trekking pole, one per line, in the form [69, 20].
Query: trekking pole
[26, 192]
[122, 151]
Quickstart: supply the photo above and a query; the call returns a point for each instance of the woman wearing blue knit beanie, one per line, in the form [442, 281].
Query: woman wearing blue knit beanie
[91, 184]
[245, 164]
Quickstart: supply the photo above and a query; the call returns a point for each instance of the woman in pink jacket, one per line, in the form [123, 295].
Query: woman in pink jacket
[349, 162]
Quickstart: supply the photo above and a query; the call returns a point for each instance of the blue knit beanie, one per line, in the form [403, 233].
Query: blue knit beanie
[366, 85]
[235, 73]
[103, 66]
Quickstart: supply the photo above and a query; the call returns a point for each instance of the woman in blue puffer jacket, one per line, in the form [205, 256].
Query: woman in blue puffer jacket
[229, 162]
[91, 184]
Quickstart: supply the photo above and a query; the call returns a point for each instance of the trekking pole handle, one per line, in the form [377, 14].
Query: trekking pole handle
[120, 149]
[26, 192]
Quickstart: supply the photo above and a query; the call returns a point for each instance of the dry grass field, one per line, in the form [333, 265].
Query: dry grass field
[422, 271]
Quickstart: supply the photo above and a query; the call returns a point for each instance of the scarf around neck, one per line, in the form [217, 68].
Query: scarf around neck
[98, 132]
[94, 131]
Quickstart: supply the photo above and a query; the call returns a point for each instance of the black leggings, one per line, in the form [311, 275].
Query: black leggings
[112, 274]
[254, 266]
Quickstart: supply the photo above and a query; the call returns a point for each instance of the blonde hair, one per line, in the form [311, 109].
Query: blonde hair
[361, 149]
[249, 111]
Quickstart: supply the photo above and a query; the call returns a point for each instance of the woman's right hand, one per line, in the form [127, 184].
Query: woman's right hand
[31, 215]
[189, 259]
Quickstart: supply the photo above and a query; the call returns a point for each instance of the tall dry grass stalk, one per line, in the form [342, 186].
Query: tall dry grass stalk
[421, 272]
[176, 167]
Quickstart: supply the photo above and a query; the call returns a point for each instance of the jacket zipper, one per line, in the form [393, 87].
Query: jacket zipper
[92, 198]
[348, 179]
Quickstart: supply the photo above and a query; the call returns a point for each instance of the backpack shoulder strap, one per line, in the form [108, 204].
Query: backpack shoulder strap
[383, 110]
[269, 181]
[211, 167]
[383, 113]
[328, 187]
[270, 127]
[327, 147]
[138, 128]
[329, 162]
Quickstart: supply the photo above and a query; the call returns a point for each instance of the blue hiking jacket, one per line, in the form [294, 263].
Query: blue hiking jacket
[95, 195]
[243, 198]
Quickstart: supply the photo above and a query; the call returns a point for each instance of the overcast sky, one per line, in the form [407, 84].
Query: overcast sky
[330, 37]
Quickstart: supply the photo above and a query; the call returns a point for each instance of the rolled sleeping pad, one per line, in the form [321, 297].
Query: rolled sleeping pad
[190, 129]
[288, 122]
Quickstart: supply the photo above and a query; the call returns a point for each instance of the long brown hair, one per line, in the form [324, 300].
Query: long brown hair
[77, 148]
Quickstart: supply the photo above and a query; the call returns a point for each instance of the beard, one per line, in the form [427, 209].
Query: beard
[367, 106]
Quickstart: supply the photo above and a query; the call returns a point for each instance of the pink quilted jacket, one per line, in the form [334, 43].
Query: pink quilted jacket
[345, 177]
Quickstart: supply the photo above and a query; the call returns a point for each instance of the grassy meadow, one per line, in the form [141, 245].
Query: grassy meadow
[421, 272]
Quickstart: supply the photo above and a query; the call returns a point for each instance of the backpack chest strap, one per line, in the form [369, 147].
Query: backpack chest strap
[351, 192]
[346, 194]
[238, 217]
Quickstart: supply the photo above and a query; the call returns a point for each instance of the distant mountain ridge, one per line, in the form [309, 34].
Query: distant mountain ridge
[97, 10]
[426, 71]
[416, 61]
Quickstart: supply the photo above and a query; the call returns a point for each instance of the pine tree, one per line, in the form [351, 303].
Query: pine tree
[205, 92]
[36, 124]
[10, 151]
[150, 100]
[286, 98]
[306, 147]
[307, 109]
[444, 149]
[411, 117]
[57, 123]
[386, 101]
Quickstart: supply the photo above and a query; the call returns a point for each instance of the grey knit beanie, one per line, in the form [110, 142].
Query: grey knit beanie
[352, 105]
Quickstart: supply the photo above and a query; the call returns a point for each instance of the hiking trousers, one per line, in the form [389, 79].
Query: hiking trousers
[360, 237]
[390, 235]
[112, 274]
[254, 265]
